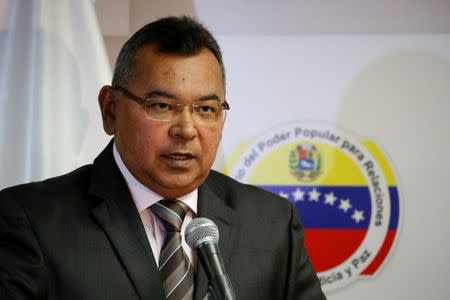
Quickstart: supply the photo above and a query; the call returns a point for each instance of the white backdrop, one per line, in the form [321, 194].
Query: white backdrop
[393, 90]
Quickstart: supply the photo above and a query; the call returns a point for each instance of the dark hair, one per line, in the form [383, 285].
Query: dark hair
[176, 35]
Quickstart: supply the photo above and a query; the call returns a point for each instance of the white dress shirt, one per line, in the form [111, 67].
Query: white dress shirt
[144, 198]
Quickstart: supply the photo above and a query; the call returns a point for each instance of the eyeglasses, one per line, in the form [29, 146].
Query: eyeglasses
[162, 109]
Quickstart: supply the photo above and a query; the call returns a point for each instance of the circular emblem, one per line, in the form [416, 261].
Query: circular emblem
[343, 188]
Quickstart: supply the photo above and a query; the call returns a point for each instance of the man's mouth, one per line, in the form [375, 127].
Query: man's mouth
[179, 156]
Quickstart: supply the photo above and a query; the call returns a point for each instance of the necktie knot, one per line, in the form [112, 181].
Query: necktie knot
[171, 212]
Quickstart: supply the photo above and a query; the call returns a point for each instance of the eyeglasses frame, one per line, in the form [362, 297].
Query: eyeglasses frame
[143, 101]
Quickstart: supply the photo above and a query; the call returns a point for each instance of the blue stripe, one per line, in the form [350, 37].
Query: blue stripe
[319, 215]
[395, 208]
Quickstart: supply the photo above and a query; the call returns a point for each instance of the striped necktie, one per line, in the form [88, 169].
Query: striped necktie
[175, 268]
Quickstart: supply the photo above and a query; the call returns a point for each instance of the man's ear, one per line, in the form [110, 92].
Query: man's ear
[107, 102]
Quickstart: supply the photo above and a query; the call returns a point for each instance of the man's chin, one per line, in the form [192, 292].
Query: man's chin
[176, 186]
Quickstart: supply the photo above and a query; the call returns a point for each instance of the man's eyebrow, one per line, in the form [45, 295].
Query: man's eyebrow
[209, 97]
[160, 93]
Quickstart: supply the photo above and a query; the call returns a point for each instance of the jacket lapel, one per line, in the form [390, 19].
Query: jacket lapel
[214, 204]
[117, 215]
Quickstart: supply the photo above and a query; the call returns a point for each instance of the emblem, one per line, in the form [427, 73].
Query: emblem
[343, 187]
[305, 162]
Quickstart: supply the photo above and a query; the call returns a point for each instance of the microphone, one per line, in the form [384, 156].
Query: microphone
[202, 235]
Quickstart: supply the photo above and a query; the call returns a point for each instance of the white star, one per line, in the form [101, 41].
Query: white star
[358, 215]
[284, 195]
[330, 198]
[345, 205]
[298, 195]
[314, 195]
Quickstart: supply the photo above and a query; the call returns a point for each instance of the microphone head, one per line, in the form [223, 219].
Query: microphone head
[200, 231]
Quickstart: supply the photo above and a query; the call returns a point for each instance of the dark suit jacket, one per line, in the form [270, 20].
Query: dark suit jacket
[79, 236]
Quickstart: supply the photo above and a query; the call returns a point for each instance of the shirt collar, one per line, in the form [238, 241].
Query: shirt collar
[144, 197]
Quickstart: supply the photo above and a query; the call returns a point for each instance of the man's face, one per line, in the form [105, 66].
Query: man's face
[172, 158]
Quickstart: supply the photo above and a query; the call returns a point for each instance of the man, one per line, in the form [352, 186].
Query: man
[103, 230]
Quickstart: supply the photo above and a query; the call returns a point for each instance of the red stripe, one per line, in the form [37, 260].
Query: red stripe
[327, 248]
[382, 254]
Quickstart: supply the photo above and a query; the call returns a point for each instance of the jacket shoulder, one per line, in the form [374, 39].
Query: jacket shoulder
[69, 184]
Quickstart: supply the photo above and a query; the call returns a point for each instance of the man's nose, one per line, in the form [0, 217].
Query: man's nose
[184, 126]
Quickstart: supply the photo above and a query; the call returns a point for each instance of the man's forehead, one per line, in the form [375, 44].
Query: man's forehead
[149, 59]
